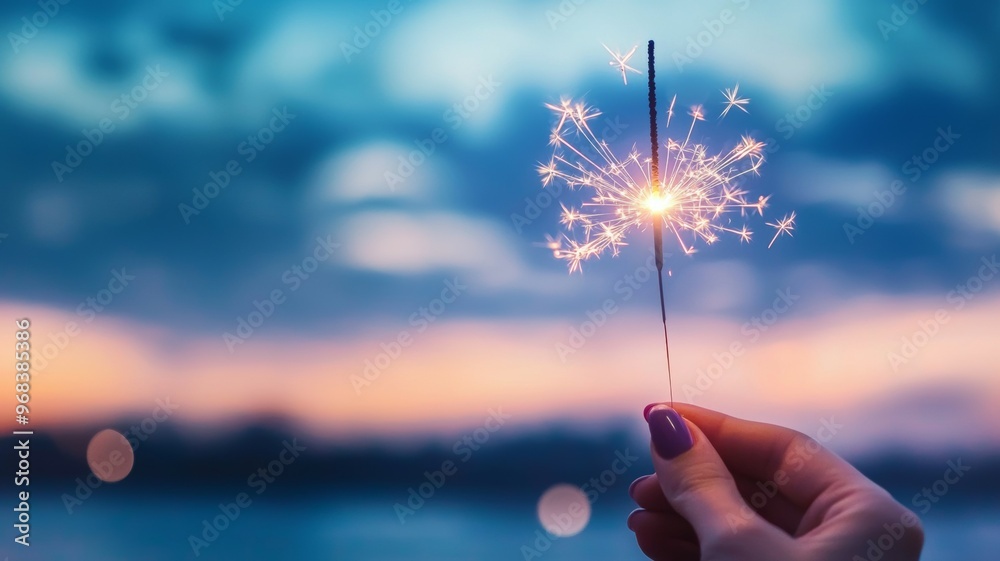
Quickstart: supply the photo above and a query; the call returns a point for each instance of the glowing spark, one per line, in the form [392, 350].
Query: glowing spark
[701, 196]
[658, 204]
[783, 226]
[552, 244]
[745, 235]
[620, 62]
[733, 99]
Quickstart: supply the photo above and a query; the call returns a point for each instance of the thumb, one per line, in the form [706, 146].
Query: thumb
[694, 478]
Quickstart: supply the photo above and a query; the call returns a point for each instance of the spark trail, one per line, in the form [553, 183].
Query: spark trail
[694, 195]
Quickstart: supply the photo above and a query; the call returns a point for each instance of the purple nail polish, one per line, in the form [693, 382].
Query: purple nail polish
[645, 412]
[669, 432]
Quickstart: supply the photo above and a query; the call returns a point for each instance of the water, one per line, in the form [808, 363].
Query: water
[366, 528]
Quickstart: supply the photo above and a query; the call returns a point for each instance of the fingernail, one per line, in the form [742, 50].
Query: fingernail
[669, 432]
[645, 412]
[634, 483]
[631, 515]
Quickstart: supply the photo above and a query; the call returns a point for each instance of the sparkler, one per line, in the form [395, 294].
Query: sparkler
[695, 196]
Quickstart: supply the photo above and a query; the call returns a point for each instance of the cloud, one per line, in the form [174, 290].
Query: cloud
[38, 78]
[433, 55]
[359, 174]
[971, 201]
[806, 366]
[719, 286]
[57, 61]
[435, 52]
[409, 243]
[297, 47]
[813, 179]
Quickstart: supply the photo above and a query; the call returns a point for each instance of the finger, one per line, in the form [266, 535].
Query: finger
[669, 523]
[656, 543]
[769, 504]
[693, 477]
[801, 468]
[646, 493]
[773, 507]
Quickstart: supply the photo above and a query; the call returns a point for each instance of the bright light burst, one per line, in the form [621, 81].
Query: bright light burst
[733, 99]
[700, 197]
[620, 62]
[783, 226]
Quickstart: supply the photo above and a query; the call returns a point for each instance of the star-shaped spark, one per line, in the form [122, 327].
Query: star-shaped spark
[733, 99]
[745, 234]
[783, 226]
[620, 62]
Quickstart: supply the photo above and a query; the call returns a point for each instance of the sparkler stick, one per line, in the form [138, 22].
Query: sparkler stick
[695, 193]
[657, 224]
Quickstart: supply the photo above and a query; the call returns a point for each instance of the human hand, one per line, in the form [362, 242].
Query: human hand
[727, 489]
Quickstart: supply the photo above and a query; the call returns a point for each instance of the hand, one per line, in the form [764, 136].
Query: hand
[727, 489]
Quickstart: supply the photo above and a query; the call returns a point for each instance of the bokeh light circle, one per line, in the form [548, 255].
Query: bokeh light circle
[110, 456]
[564, 510]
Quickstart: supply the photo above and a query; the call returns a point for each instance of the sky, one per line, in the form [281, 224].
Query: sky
[331, 213]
